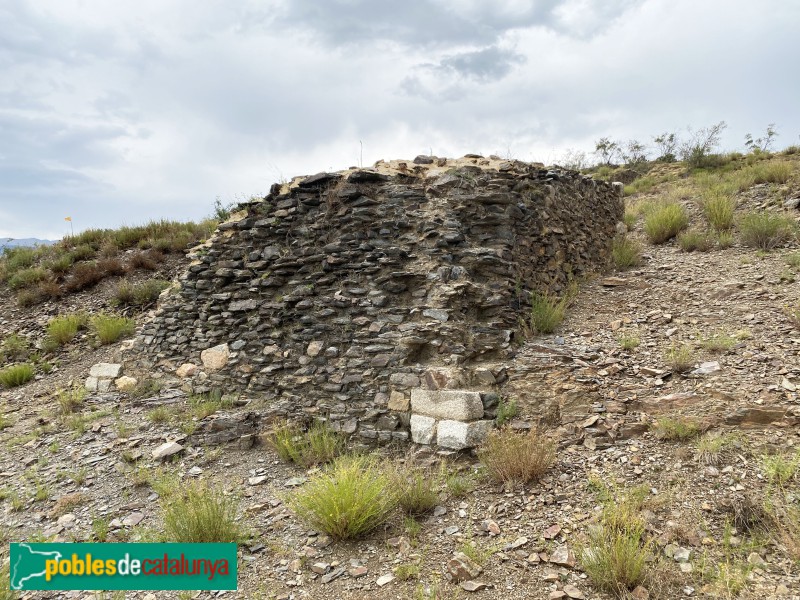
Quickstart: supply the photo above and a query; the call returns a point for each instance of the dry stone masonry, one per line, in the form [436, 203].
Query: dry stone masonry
[382, 299]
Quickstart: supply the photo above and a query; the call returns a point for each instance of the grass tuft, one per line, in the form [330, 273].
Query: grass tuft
[70, 401]
[200, 514]
[719, 342]
[506, 410]
[679, 429]
[780, 469]
[16, 375]
[547, 312]
[616, 559]
[680, 357]
[765, 230]
[691, 241]
[715, 448]
[664, 221]
[628, 341]
[349, 499]
[110, 328]
[418, 489]
[320, 444]
[718, 209]
[625, 252]
[63, 329]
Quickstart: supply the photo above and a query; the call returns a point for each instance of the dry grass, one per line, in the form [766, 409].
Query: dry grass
[512, 457]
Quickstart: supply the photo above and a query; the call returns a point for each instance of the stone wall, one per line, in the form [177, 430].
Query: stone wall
[338, 294]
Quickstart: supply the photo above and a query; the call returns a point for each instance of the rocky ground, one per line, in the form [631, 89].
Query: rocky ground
[66, 479]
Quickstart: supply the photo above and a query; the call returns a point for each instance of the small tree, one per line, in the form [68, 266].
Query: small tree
[607, 149]
[634, 153]
[701, 144]
[222, 212]
[667, 144]
[761, 144]
[574, 159]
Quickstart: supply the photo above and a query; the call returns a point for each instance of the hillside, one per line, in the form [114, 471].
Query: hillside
[670, 389]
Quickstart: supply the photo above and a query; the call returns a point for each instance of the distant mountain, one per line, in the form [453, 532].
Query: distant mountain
[14, 242]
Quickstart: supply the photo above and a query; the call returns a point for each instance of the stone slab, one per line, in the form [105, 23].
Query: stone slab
[423, 429]
[456, 435]
[455, 405]
[106, 370]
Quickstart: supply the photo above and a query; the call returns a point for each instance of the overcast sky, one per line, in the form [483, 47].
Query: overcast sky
[120, 112]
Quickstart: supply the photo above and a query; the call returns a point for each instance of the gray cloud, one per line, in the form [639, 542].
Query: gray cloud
[488, 64]
[122, 113]
[437, 23]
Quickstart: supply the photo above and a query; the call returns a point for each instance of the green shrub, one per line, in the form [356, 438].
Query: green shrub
[82, 252]
[506, 410]
[513, 457]
[664, 221]
[26, 278]
[14, 347]
[110, 328]
[320, 444]
[62, 264]
[19, 258]
[766, 230]
[625, 252]
[198, 514]
[27, 298]
[63, 329]
[347, 500]
[16, 375]
[700, 241]
[718, 209]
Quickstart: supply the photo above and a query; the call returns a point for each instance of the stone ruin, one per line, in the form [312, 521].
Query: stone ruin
[386, 300]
